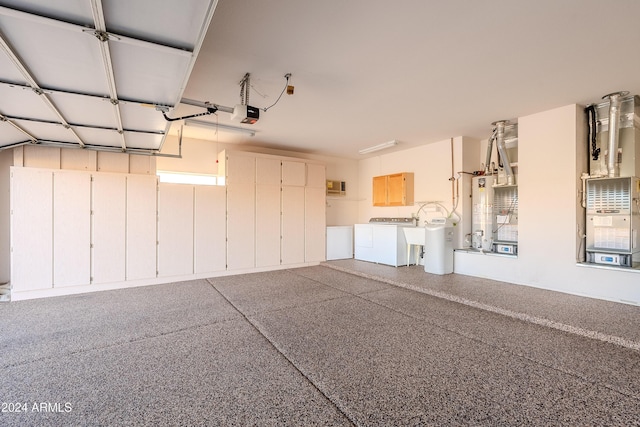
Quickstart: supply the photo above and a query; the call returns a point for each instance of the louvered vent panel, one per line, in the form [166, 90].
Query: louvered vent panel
[609, 195]
[505, 200]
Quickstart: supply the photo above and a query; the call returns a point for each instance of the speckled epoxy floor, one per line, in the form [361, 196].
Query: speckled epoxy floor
[320, 346]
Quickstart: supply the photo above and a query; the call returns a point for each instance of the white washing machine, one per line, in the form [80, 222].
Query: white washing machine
[382, 241]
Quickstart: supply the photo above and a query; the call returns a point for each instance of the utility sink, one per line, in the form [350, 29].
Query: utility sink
[414, 235]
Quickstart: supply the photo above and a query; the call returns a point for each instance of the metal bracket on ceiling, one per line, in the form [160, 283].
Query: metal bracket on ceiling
[103, 36]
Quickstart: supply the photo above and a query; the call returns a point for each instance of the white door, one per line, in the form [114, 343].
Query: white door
[293, 246]
[268, 178]
[267, 225]
[71, 228]
[315, 224]
[108, 227]
[241, 219]
[175, 229]
[316, 175]
[141, 226]
[31, 229]
[293, 173]
[210, 231]
[241, 206]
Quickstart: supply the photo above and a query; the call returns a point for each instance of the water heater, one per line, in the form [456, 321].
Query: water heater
[482, 223]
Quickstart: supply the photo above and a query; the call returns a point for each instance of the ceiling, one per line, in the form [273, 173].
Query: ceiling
[416, 71]
[364, 71]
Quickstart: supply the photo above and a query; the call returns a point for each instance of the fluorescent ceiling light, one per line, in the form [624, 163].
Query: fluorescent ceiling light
[378, 147]
[216, 126]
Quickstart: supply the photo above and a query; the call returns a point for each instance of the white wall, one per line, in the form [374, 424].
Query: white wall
[432, 165]
[6, 160]
[342, 210]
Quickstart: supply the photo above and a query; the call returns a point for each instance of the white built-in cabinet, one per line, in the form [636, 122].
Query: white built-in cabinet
[281, 220]
[82, 228]
[74, 228]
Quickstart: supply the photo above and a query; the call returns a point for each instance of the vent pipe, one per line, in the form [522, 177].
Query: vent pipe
[613, 162]
[487, 165]
[502, 150]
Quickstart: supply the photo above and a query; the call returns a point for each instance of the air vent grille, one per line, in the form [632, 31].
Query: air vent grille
[612, 195]
[505, 200]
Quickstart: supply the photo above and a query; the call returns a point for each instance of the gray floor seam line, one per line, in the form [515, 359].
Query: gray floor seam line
[277, 349]
[476, 339]
[301, 305]
[508, 351]
[611, 339]
[140, 339]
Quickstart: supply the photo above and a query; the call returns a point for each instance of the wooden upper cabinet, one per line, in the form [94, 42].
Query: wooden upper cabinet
[393, 190]
[380, 190]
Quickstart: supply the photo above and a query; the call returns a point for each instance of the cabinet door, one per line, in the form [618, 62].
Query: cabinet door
[175, 229]
[210, 230]
[400, 189]
[240, 169]
[31, 229]
[316, 176]
[141, 226]
[108, 227]
[292, 225]
[293, 173]
[315, 224]
[71, 228]
[268, 171]
[395, 189]
[380, 190]
[267, 225]
[241, 219]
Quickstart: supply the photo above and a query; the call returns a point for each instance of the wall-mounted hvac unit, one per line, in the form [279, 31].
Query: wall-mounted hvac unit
[336, 188]
[613, 218]
[505, 220]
